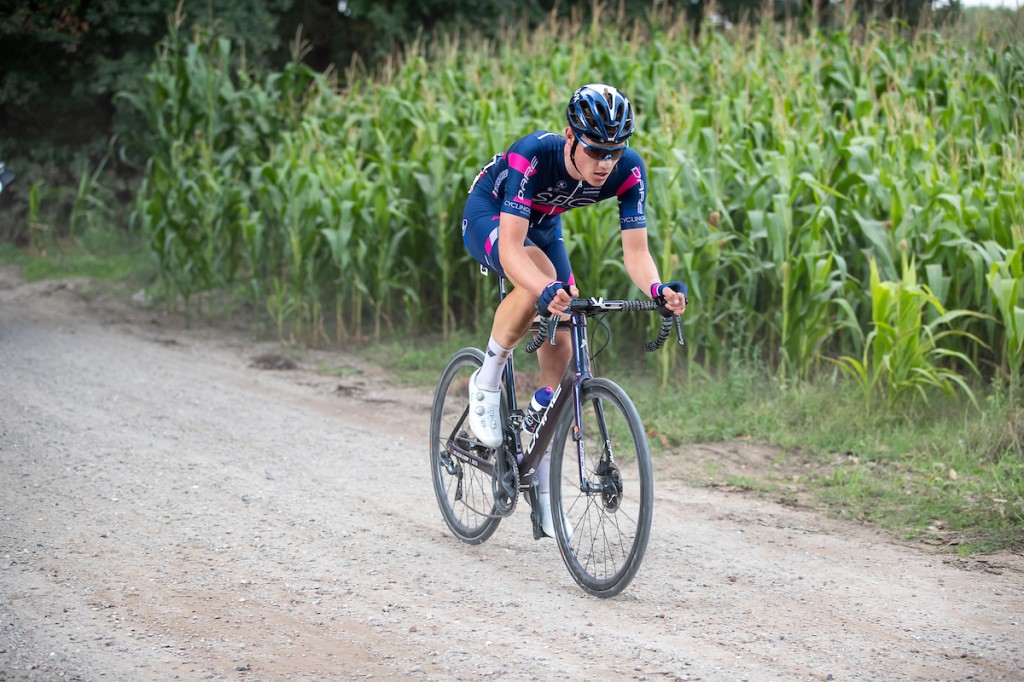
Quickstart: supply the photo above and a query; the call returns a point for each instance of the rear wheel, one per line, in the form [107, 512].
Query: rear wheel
[464, 492]
[602, 532]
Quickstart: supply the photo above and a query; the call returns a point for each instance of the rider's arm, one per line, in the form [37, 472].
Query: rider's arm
[520, 268]
[637, 259]
[642, 269]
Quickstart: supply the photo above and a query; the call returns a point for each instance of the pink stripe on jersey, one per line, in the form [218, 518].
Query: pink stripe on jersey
[624, 187]
[549, 210]
[520, 163]
[572, 280]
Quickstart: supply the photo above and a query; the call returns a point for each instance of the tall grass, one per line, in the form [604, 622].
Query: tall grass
[821, 157]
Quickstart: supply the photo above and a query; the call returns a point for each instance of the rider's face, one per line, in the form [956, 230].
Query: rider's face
[594, 162]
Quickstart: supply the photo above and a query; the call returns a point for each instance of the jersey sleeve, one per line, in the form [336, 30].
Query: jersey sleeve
[523, 159]
[632, 193]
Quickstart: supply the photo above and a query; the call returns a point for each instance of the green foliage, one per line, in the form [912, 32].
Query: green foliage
[784, 172]
[902, 354]
[62, 63]
[1005, 281]
[56, 53]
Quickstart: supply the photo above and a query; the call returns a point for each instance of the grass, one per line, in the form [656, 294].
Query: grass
[107, 255]
[419, 361]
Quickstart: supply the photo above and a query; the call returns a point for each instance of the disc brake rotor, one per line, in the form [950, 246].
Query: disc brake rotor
[611, 485]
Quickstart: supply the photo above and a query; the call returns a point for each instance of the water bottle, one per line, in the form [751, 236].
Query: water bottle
[539, 403]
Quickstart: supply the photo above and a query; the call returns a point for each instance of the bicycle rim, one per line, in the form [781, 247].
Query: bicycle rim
[463, 492]
[602, 535]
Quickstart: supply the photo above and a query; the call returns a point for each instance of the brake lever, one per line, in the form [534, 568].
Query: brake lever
[546, 330]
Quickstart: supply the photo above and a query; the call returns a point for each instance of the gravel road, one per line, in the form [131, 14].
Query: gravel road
[171, 510]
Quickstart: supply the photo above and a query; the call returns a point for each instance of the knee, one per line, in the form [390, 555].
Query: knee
[563, 344]
[562, 350]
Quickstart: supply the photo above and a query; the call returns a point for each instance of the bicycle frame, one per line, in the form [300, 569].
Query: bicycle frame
[568, 390]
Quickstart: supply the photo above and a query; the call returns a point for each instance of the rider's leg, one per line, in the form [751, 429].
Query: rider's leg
[554, 359]
[511, 323]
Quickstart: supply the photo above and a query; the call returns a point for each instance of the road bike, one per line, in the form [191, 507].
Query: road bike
[601, 482]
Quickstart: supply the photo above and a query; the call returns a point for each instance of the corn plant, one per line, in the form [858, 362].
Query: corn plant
[1004, 280]
[824, 159]
[903, 354]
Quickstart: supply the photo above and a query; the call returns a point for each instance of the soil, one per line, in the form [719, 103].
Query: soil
[184, 504]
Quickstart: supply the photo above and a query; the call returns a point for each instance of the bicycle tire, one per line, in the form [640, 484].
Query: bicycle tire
[464, 493]
[603, 537]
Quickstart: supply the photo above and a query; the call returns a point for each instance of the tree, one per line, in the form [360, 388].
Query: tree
[64, 60]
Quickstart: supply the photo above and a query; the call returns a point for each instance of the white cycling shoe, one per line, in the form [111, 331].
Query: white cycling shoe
[547, 521]
[485, 413]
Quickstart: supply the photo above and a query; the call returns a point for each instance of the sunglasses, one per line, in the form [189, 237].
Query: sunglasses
[602, 153]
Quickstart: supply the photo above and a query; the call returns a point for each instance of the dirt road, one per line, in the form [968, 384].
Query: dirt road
[168, 511]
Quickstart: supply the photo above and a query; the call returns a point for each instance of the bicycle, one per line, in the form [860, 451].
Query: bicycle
[602, 492]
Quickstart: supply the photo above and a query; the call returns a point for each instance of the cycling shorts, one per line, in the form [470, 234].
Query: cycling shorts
[480, 234]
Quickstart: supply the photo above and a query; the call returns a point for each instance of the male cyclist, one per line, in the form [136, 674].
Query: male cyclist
[512, 224]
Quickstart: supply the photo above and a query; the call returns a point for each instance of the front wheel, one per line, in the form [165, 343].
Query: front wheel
[602, 532]
[464, 492]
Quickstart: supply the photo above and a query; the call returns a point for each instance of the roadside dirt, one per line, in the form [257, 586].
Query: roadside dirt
[172, 509]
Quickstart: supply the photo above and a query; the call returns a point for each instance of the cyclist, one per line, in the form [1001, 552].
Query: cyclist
[512, 225]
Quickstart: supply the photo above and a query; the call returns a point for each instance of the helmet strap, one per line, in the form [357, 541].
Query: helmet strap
[572, 153]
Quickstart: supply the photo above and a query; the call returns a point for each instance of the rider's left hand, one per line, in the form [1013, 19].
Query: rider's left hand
[672, 295]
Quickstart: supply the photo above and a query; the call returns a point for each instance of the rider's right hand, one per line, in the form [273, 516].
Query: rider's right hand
[553, 298]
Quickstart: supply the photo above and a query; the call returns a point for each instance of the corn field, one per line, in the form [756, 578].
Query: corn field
[849, 200]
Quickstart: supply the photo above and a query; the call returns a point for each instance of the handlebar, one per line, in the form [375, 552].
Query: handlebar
[594, 306]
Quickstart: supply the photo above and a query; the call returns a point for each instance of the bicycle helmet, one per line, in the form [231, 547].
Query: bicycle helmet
[600, 113]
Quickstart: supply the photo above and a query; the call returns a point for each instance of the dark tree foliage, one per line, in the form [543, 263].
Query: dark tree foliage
[338, 31]
[63, 60]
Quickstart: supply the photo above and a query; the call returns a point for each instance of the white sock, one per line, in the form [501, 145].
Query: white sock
[489, 378]
[544, 472]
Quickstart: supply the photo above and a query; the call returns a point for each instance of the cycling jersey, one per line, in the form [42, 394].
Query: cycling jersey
[531, 181]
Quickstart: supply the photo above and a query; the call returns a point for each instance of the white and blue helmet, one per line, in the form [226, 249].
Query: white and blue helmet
[600, 113]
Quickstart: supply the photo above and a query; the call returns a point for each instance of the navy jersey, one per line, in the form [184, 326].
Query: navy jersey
[530, 180]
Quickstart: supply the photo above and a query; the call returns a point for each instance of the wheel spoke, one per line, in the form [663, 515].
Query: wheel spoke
[463, 489]
[606, 528]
